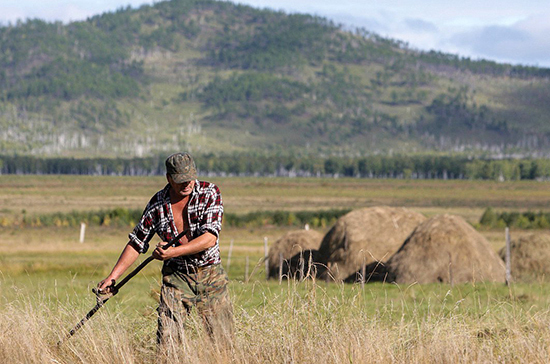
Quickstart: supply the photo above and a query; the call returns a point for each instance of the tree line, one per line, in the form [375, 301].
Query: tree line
[244, 164]
[319, 218]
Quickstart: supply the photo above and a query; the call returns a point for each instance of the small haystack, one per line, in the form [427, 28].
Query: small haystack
[365, 236]
[530, 257]
[295, 248]
[446, 249]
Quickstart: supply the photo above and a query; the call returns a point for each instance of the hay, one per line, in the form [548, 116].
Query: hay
[294, 245]
[365, 236]
[529, 257]
[446, 249]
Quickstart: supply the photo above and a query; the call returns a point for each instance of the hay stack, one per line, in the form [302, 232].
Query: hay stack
[292, 246]
[530, 257]
[365, 236]
[447, 249]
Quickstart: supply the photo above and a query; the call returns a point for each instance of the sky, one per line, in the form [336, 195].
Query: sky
[508, 31]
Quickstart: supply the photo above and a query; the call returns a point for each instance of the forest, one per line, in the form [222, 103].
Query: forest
[245, 164]
[216, 77]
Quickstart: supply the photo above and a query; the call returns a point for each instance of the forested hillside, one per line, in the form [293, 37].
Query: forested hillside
[215, 77]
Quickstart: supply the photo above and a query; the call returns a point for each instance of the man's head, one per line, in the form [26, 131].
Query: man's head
[181, 167]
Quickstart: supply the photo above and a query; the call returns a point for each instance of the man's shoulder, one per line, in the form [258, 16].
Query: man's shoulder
[159, 197]
[208, 187]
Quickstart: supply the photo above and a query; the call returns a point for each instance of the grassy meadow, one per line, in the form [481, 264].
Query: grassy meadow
[46, 277]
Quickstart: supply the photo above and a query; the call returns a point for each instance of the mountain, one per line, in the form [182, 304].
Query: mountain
[215, 77]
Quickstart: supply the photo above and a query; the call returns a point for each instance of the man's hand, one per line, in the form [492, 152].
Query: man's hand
[163, 254]
[106, 286]
[105, 289]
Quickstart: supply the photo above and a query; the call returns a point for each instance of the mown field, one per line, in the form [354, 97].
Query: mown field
[46, 277]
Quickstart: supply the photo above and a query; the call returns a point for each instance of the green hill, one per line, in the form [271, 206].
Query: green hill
[215, 77]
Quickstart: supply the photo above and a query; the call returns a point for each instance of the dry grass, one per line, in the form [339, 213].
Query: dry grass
[296, 324]
[445, 248]
[530, 255]
[364, 236]
[289, 323]
[285, 253]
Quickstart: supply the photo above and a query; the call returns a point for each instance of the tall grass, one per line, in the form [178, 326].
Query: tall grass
[292, 323]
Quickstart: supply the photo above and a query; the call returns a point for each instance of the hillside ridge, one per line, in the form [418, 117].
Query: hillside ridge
[216, 77]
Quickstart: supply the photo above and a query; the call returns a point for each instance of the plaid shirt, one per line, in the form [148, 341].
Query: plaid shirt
[204, 214]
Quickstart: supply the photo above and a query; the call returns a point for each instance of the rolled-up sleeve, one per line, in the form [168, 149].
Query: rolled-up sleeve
[143, 232]
[211, 219]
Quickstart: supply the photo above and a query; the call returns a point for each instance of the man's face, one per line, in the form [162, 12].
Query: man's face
[181, 189]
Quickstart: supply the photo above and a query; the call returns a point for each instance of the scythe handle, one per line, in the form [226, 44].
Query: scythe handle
[125, 280]
[147, 261]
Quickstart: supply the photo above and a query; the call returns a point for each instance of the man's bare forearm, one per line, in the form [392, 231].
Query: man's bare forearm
[126, 259]
[197, 245]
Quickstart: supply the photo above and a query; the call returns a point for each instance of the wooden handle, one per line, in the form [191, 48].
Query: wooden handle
[145, 262]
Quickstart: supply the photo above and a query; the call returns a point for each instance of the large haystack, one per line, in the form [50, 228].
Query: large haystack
[447, 249]
[530, 257]
[365, 236]
[293, 247]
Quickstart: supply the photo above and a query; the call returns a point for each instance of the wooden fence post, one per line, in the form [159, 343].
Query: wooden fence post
[301, 267]
[363, 270]
[266, 260]
[310, 266]
[508, 257]
[82, 232]
[451, 280]
[280, 268]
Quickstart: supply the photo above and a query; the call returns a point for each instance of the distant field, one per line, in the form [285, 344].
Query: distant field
[30, 195]
[32, 249]
[41, 194]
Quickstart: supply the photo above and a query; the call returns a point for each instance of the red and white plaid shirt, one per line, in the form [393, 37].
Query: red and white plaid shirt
[204, 210]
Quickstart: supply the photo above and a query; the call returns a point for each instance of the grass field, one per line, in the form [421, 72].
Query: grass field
[469, 198]
[46, 277]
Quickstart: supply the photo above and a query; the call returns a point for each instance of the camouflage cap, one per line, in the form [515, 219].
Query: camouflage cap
[181, 167]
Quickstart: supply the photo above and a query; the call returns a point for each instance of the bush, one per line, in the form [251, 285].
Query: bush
[115, 217]
[514, 219]
[489, 218]
[320, 218]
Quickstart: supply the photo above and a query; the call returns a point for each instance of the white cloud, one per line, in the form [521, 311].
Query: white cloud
[419, 25]
[503, 30]
[502, 36]
[535, 23]
[63, 10]
[525, 42]
[371, 24]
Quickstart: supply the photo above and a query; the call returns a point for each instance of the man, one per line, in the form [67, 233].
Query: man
[192, 272]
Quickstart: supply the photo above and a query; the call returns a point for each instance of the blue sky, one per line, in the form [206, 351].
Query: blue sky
[501, 30]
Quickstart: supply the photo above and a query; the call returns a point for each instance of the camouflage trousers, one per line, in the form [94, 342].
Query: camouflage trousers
[203, 289]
